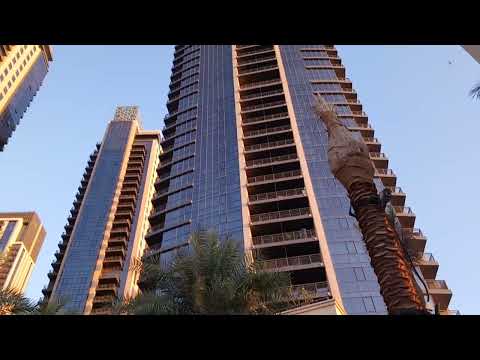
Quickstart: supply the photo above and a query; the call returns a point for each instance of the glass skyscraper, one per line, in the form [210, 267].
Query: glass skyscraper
[244, 154]
[105, 233]
[22, 70]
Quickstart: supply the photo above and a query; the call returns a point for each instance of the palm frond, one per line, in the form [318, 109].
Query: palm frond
[475, 92]
[13, 302]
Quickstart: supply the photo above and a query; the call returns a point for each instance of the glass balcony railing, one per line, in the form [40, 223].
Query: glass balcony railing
[281, 237]
[318, 289]
[266, 117]
[243, 71]
[437, 284]
[260, 83]
[275, 215]
[264, 105]
[271, 160]
[290, 261]
[262, 94]
[278, 194]
[267, 131]
[403, 210]
[388, 172]
[258, 59]
[267, 145]
[281, 175]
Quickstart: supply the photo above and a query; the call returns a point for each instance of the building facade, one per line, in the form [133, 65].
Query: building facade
[105, 232]
[474, 51]
[22, 70]
[245, 155]
[21, 238]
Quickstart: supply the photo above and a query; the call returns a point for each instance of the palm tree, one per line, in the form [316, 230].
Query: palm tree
[475, 92]
[14, 303]
[350, 163]
[54, 307]
[209, 277]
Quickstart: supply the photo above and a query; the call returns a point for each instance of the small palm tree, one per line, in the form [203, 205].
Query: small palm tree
[475, 92]
[210, 277]
[14, 303]
[54, 307]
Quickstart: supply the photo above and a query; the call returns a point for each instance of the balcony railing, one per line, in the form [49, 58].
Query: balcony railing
[262, 94]
[256, 68]
[267, 145]
[264, 105]
[403, 210]
[259, 59]
[437, 284]
[266, 117]
[281, 237]
[378, 155]
[371, 140]
[275, 215]
[271, 160]
[278, 194]
[387, 172]
[281, 175]
[395, 189]
[427, 258]
[254, 51]
[267, 131]
[318, 289]
[260, 83]
[290, 261]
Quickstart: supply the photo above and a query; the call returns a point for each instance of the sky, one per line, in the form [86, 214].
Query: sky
[416, 98]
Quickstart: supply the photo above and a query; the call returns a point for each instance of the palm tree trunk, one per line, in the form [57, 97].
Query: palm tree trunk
[388, 260]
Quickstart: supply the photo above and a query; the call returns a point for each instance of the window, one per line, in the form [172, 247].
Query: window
[10, 66]
[13, 78]
[5, 90]
[1, 96]
[24, 62]
[14, 60]
[18, 55]
[21, 67]
[17, 72]
[6, 72]
[9, 83]
[28, 57]
[21, 50]
[1, 77]
[24, 46]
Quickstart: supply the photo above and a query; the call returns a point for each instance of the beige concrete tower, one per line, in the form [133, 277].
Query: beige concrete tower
[21, 237]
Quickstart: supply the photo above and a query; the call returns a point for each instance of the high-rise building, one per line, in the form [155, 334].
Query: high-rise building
[244, 154]
[21, 238]
[105, 232]
[22, 70]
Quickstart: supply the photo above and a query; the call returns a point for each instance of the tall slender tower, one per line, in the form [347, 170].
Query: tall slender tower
[22, 70]
[245, 154]
[109, 219]
[21, 238]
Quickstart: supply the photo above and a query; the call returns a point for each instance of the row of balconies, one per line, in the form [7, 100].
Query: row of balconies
[257, 84]
[277, 195]
[257, 60]
[258, 107]
[273, 177]
[257, 51]
[256, 69]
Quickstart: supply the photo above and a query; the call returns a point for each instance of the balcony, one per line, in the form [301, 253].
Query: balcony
[245, 54]
[278, 216]
[428, 265]
[449, 312]
[277, 195]
[398, 196]
[440, 292]
[269, 145]
[115, 251]
[263, 106]
[265, 118]
[113, 260]
[110, 276]
[415, 239]
[120, 231]
[256, 69]
[106, 299]
[282, 239]
[372, 143]
[379, 159]
[257, 60]
[387, 176]
[261, 95]
[292, 263]
[257, 84]
[52, 274]
[271, 130]
[118, 241]
[286, 175]
[405, 215]
[107, 287]
[312, 290]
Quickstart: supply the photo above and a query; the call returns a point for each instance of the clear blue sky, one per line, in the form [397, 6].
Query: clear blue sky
[417, 102]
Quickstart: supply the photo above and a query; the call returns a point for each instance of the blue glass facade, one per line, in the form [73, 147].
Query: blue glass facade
[81, 256]
[199, 182]
[358, 283]
[21, 99]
